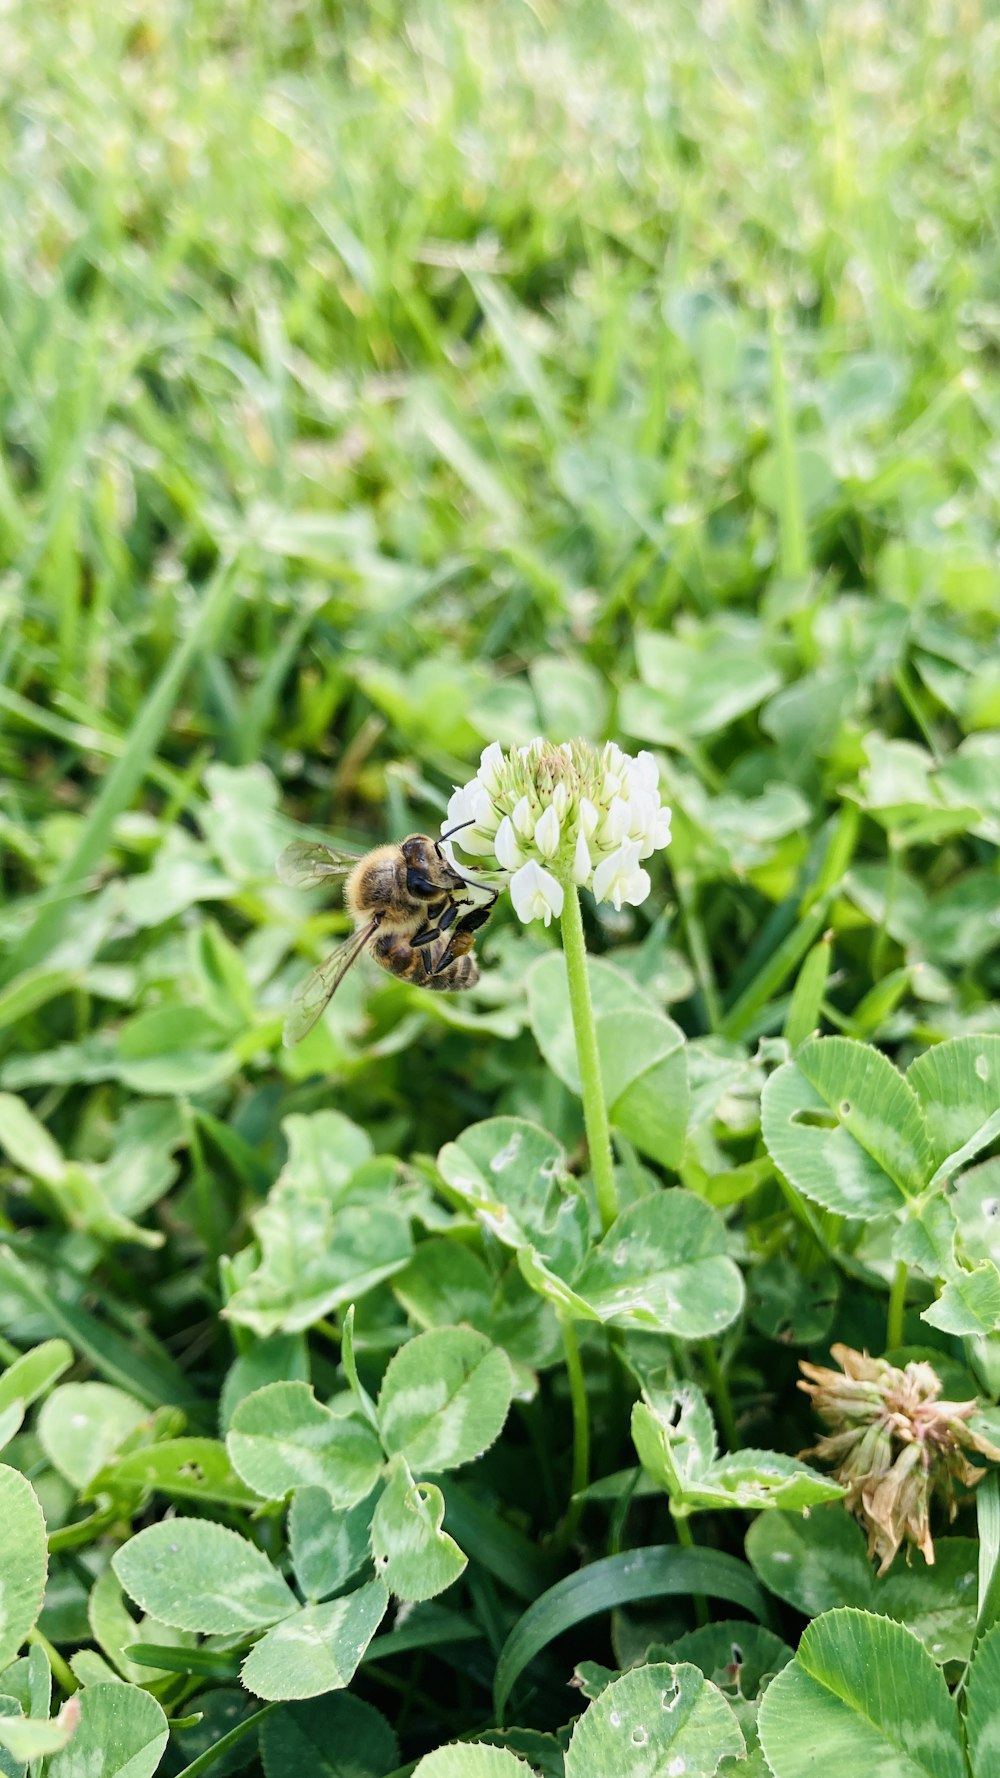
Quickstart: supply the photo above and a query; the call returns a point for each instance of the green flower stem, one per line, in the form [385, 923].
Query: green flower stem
[720, 1395]
[595, 1114]
[685, 1538]
[897, 1308]
[581, 1431]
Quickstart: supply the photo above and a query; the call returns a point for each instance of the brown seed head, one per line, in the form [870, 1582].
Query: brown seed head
[893, 1444]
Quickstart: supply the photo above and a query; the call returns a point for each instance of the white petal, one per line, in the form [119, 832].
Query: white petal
[618, 877]
[589, 817]
[616, 823]
[491, 764]
[636, 888]
[459, 806]
[547, 833]
[560, 799]
[581, 861]
[535, 893]
[643, 810]
[523, 819]
[606, 875]
[507, 850]
[643, 772]
[476, 808]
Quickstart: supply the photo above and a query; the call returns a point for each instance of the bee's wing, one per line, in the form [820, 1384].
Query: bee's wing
[317, 989]
[303, 864]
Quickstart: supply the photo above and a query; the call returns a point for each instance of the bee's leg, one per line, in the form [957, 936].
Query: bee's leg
[428, 934]
[478, 917]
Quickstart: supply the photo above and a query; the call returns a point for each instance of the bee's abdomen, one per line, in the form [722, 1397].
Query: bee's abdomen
[462, 972]
[395, 953]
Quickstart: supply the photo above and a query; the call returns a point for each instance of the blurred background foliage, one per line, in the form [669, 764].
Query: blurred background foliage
[381, 380]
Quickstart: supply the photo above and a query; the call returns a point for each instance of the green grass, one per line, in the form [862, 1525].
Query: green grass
[377, 381]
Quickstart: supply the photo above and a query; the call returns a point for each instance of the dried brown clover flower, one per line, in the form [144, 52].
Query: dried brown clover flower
[893, 1445]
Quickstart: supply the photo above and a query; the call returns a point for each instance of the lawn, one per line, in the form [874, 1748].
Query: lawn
[450, 1391]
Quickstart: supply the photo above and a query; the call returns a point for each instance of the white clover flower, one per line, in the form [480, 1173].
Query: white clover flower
[555, 816]
[490, 767]
[522, 817]
[641, 773]
[582, 865]
[471, 809]
[509, 854]
[547, 832]
[619, 878]
[617, 822]
[536, 893]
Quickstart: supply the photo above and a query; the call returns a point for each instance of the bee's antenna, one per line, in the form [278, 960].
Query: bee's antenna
[451, 830]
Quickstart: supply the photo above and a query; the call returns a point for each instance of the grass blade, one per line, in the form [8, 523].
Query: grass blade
[123, 780]
[658, 1572]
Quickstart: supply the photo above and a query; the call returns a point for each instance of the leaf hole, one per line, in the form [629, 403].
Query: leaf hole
[845, 1108]
[811, 1117]
[639, 1736]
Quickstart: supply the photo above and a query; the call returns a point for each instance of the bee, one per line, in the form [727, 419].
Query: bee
[407, 903]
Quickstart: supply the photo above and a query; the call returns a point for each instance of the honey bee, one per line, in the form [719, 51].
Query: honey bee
[407, 903]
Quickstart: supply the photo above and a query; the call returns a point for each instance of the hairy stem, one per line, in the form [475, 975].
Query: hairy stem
[595, 1114]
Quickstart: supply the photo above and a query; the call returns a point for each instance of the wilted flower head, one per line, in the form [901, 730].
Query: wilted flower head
[893, 1446]
[568, 814]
